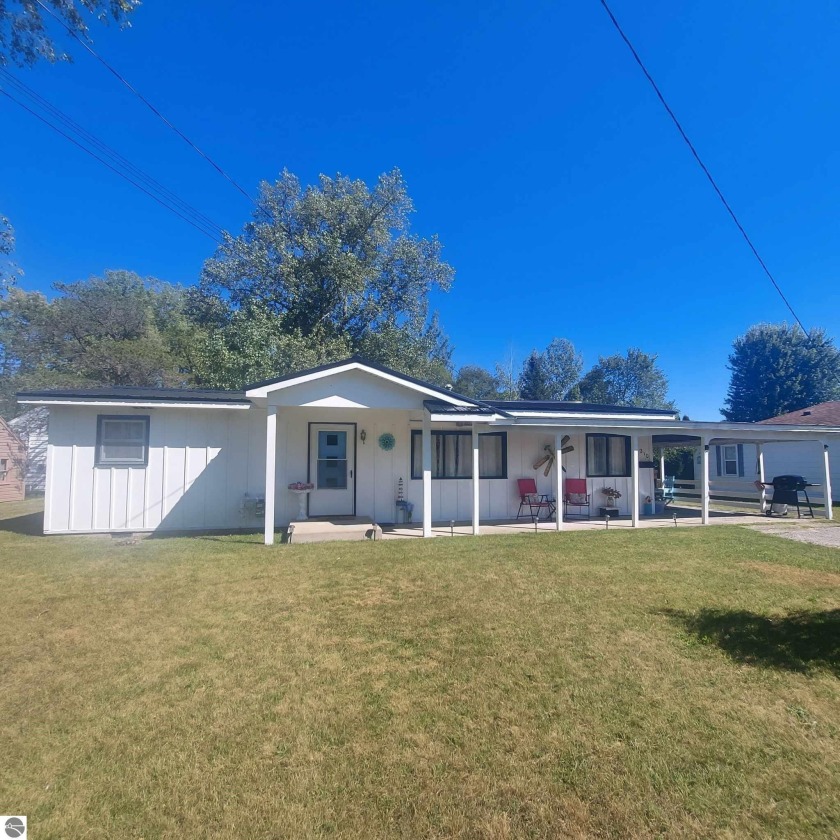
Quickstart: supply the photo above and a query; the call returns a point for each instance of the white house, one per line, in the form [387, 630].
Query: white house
[31, 428]
[129, 459]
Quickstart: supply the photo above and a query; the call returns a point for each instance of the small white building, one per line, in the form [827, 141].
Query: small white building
[129, 459]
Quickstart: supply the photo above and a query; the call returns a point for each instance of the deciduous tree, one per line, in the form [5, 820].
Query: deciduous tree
[633, 379]
[476, 382]
[336, 265]
[25, 35]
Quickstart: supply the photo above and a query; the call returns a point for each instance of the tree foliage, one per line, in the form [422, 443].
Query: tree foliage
[9, 272]
[634, 379]
[776, 368]
[25, 36]
[118, 329]
[551, 374]
[336, 266]
[476, 382]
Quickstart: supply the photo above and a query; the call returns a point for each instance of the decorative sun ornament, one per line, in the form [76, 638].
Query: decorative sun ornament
[387, 441]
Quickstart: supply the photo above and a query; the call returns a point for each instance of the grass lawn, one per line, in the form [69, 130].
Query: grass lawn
[666, 683]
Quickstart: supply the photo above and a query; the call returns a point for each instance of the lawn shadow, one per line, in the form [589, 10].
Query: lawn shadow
[799, 641]
[29, 524]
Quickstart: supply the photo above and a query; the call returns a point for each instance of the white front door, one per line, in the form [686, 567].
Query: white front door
[332, 467]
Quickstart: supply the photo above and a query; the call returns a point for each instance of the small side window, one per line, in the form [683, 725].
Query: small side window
[4, 468]
[122, 440]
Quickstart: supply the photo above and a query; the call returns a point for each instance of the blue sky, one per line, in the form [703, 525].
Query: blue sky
[530, 142]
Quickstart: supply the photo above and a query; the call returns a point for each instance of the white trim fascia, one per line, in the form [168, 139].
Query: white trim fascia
[265, 390]
[464, 418]
[135, 404]
[562, 416]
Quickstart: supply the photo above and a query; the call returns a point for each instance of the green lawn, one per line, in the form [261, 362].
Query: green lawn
[666, 683]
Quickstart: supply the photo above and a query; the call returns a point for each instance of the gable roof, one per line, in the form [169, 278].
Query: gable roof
[356, 362]
[822, 414]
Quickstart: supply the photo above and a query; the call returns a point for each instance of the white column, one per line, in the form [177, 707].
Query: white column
[762, 498]
[634, 480]
[270, 467]
[829, 510]
[558, 481]
[704, 483]
[662, 466]
[475, 481]
[427, 474]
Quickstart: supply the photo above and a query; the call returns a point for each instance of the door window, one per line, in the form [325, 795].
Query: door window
[332, 460]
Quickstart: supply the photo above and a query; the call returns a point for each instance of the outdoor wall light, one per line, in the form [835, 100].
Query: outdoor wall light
[363, 435]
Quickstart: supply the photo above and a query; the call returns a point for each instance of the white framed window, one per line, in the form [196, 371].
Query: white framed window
[4, 468]
[122, 440]
[729, 460]
[452, 454]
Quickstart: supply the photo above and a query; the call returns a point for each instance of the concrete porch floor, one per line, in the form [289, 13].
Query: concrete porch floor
[325, 529]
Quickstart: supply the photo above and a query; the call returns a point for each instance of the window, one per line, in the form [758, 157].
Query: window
[4, 468]
[608, 456]
[729, 456]
[452, 454]
[122, 441]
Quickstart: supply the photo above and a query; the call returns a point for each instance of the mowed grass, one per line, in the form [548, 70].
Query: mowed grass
[667, 683]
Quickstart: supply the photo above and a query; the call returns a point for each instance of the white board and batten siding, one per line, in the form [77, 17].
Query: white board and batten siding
[201, 464]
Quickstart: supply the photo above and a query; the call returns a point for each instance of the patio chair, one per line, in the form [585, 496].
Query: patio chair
[668, 491]
[576, 495]
[534, 501]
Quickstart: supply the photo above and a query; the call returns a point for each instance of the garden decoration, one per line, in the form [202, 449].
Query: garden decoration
[550, 456]
[387, 441]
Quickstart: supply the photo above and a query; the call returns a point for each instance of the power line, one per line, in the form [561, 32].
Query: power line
[703, 167]
[146, 102]
[119, 160]
[105, 163]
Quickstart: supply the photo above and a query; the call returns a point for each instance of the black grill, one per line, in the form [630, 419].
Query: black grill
[786, 490]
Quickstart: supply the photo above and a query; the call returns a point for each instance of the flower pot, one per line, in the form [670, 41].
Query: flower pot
[648, 509]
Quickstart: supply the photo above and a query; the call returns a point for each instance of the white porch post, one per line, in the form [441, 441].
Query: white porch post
[762, 496]
[634, 479]
[704, 482]
[270, 468]
[558, 481]
[829, 509]
[475, 481]
[662, 466]
[427, 474]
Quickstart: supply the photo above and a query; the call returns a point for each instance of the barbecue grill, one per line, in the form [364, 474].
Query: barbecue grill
[786, 490]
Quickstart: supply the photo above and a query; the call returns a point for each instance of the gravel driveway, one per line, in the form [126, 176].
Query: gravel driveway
[817, 534]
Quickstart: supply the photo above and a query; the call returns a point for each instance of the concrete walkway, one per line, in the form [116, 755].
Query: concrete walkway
[357, 528]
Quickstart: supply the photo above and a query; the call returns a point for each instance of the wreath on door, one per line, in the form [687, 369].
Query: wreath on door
[387, 441]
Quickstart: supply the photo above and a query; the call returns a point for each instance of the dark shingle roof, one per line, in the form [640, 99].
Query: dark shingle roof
[822, 414]
[575, 407]
[116, 394]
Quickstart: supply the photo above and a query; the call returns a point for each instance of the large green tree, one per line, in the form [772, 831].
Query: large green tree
[118, 329]
[26, 30]
[476, 382]
[8, 270]
[632, 379]
[551, 374]
[776, 368]
[332, 267]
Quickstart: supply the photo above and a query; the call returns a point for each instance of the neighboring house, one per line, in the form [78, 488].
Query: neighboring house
[738, 467]
[134, 459]
[12, 465]
[31, 428]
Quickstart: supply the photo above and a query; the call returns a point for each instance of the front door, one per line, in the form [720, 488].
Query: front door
[332, 466]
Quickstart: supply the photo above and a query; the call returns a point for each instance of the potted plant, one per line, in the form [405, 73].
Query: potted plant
[612, 494]
[648, 506]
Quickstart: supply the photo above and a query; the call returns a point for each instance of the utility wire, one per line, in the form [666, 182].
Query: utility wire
[120, 161]
[703, 167]
[105, 163]
[146, 102]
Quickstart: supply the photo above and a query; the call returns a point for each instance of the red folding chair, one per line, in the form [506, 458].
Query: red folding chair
[534, 501]
[576, 495]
